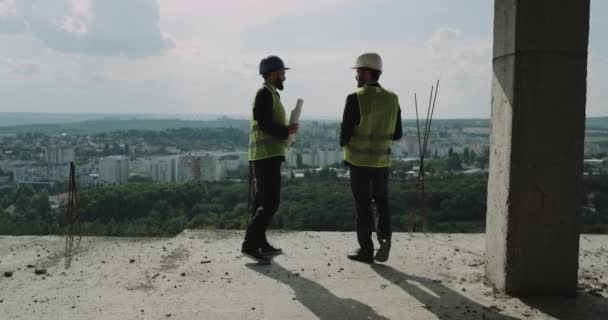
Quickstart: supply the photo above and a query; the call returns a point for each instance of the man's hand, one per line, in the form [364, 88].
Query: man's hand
[293, 128]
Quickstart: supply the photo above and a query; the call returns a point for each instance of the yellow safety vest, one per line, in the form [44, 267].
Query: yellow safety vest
[261, 144]
[370, 145]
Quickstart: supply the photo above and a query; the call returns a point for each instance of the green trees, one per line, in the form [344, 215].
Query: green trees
[321, 202]
[27, 211]
[454, 163]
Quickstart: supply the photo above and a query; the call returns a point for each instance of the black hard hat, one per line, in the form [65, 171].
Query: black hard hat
[270, 64]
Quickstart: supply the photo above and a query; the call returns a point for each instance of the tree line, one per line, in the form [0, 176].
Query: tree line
[318, 202]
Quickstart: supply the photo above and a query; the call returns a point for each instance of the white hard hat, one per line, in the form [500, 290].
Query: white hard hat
[369, 60]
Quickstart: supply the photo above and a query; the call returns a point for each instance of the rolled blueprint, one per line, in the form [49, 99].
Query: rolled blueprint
[293, 119]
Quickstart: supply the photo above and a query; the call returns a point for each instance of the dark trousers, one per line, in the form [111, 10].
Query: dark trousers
[267, 174]
[367, 183]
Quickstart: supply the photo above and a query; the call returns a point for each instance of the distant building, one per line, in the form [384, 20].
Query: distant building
[114, 170]
[477, 130]
[36, 173]
[287, 174]
[59, 155]
[59, 172]
[188, 168]
[172, 149]
[594, 166]
[4, 180]
[87, 174]
[592, 148]
[28, 174]
[291, 159]
[231, 161]
[307, 158]
[202, 166]
[164, 169]
[321, 157]
[211, 169]
[141, 167]
[88, 180]
[10, 165]
[333, 157]
[412, 145]
[443, 149]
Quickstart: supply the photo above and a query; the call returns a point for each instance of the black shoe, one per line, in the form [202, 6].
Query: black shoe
[269, 250]
[362, 256]
[256, 254]
[385, 248]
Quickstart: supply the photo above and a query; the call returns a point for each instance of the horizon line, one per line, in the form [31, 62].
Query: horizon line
[210, 115]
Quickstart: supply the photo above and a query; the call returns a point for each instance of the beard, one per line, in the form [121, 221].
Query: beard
[360, 84]
[279, 85]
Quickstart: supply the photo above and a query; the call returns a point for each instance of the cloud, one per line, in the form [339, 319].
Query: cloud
[7, 7]
[443, 36]
[10, 22]
[220, 43]
[97, 27]
[19, 66]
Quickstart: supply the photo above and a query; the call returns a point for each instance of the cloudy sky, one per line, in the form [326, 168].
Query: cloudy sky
[201, 56]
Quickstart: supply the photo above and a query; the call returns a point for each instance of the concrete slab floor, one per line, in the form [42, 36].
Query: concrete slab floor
[200, 274]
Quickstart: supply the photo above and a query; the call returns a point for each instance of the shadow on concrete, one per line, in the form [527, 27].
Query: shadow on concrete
[442, 301]
[583, 306]
[317, 298]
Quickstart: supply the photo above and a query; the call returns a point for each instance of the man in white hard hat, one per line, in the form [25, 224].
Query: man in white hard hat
[371, 122]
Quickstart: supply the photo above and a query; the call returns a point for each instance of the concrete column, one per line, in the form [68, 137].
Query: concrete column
[536, 154]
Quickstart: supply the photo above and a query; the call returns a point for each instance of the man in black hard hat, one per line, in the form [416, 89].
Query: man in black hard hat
[267, 147]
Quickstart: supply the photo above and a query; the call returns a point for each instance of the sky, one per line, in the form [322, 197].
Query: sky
[202, 56]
